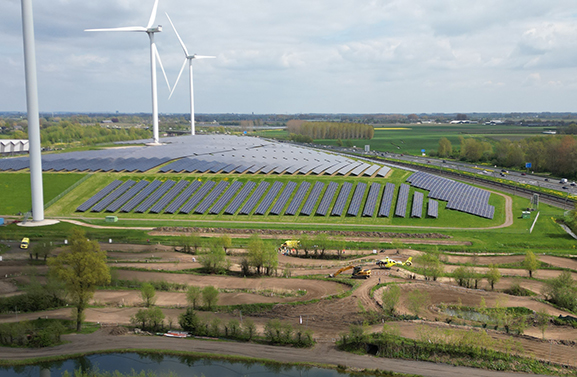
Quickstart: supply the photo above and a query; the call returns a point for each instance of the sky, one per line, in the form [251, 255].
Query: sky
[300, 56]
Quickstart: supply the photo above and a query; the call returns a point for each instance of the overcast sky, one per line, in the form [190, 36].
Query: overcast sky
[300, 56]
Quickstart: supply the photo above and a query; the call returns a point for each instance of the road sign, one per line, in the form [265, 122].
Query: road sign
[422, 150]
[528, 165]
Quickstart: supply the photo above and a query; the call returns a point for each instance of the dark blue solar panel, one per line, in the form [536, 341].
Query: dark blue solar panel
[113, 196]
[254, 198]
[269, 198]
[387, 200]
[283, 198]
[240, 198]
[162, 203]
[127, 196]
[197, 197]
[327, 199]
[402, 200]
[211, 197]
[371, 202]
[312, 199]
[101, 194]
[132, 203]
[433, 209]
[183, 197]
[145, 206]
[417, 209]
[357, 199]
[297, 200]
[339, 206]
[225, 198]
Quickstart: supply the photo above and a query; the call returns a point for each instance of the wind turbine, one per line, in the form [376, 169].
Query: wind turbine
[153, 57]
[187, 58]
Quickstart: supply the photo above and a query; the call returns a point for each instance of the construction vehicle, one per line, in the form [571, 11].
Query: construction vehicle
[24, 243]
[390, 263]
[291, 244]
[358, 272]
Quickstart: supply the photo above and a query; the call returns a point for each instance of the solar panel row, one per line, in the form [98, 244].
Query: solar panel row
[211, 197]
[402, 201]
[417, 209]
[327, 199]
[357, 199]
[163, 203]
[312, 199]
[459, 196]
[135, 200]
[371, 202]
[283, 198]
[254, 198]
[433, 209]
[387, 200]
[342, 199]
[240, 198]
[149, 202]
[182, 197]
[101, 194]
[298, 198]
[113, 196]
[225, 198]
[268, 199]
[383, 172]
[197, 197]
[126, 196]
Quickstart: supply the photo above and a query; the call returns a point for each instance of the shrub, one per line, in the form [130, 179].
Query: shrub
[562, 291]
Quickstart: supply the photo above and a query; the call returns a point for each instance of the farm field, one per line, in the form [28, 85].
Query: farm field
[411, 138]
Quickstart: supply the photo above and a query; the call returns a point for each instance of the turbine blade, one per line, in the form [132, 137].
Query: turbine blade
[127, 28]
[177, 35]
[178, 78]
[152, 15]
[204, 57]
[161, 67]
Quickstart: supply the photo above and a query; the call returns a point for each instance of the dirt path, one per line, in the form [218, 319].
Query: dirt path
[322, 353]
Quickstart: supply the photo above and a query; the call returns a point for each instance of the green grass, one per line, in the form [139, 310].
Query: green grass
[15, 189]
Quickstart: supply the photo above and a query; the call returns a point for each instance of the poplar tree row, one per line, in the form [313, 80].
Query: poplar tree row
[332, 130]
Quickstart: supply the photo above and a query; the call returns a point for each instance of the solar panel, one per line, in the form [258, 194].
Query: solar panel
[312, 199]
[140, 196]
[163, 202]
[197, 197]
[371, 202]
[339, 206]
[357, 199]
[240, 198]
[156, 195]
[183, 197]
[383, 172]
[268, 199]
[359, 169]
[127, 196]
[327, 199]
[402, 200]
[370, 171]
[211, 197]
[417, 209]
[283, 198]
[113, 196]
[347, 168]
[433, 208]
[387, 200]
[101, 194]
[225, 198]
[297, 199]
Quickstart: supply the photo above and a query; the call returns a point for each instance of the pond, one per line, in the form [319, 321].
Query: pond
[163, 364]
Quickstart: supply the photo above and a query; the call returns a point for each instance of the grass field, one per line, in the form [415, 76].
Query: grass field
[411, 138]
[448, 218]
[15, 189]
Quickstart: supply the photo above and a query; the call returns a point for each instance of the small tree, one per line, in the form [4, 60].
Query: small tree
[193, 295]
[464, 275]
[417, 300]
[189, 321]
[542, 320]
[562, 291]
[390, 297]
[249, 329]
[430, 265]
[226, 242]
[322, 243]
[148, 294]
[531, 263]
[209, 296]
[270, 259]
[255, 257]
[493, 276]
[214, 258]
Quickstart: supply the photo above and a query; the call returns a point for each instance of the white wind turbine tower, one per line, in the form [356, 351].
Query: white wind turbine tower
[187, 58]
[153, 57]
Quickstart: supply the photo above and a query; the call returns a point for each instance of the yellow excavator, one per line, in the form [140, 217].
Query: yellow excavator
[358, 272]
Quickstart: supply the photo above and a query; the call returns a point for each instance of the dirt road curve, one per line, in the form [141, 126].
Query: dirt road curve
[322, 353]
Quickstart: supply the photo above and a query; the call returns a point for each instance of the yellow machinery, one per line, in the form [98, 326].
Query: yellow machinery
[291, 244]
[358, 272]
[390, 263]
[24, 243]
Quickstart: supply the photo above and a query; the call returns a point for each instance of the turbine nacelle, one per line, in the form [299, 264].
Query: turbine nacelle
[157, 29]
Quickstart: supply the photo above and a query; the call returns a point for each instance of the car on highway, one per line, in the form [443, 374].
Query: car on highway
[504, 171]
[565, 188]
[523, 173]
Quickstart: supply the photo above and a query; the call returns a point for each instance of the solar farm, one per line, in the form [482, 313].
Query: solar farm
[247, 179]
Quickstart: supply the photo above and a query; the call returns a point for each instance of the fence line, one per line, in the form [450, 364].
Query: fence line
[68, 190]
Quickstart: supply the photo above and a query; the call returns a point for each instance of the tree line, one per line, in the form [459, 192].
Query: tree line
[554, 154]
[331, 130]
